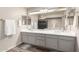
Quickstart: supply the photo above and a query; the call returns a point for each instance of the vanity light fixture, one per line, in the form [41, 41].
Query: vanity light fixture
[47, 11]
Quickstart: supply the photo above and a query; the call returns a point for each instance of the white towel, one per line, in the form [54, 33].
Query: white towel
[10, 27]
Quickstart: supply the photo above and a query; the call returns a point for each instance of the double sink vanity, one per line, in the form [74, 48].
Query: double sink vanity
[53, 30]
[58, 40]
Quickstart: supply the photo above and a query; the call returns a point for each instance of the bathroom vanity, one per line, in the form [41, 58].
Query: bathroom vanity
[50, 39]
[62, 40]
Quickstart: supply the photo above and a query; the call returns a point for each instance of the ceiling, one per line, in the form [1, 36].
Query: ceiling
[36, 9]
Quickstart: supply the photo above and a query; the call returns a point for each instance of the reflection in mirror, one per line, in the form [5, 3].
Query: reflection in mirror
[71, 18]
[26, 21]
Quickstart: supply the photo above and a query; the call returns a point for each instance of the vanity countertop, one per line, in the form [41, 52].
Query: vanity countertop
[53, 32]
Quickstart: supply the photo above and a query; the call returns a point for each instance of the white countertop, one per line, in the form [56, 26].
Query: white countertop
[53, 32]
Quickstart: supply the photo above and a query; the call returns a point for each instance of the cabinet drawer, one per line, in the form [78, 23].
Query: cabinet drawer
[40, 38]
[39, 35]
[67, 38]
[26, 33]
[52, 36]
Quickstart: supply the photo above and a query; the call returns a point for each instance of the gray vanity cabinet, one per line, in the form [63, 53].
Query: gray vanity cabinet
[66, 44]
[61, 43]
[25, 37]
[28, 38]
[40, 41]
[58, 42]
[51, 42]
[33, 38]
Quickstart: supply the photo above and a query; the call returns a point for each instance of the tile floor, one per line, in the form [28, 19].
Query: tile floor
[29, 48]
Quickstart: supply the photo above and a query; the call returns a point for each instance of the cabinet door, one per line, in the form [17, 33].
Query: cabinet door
[66, 45]
[40, 41]
[25, 39]
[28, 39]
[51, 43]
[31, 40]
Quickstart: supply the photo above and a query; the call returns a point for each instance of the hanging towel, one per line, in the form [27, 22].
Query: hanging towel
[10, 27]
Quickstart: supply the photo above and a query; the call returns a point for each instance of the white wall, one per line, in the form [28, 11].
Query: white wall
[11, 13]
